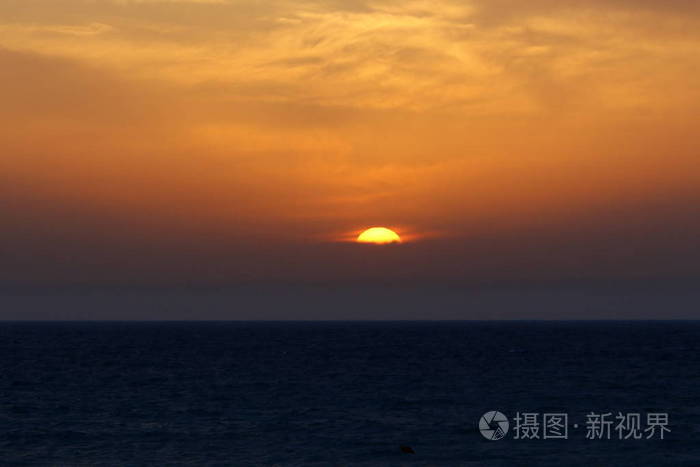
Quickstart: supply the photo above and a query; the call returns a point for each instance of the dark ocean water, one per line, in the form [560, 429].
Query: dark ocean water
[339, 393]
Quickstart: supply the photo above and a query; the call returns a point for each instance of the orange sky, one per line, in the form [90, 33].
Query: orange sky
[206, 125]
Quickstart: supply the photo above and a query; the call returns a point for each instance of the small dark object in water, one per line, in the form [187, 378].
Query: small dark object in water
[407, 450]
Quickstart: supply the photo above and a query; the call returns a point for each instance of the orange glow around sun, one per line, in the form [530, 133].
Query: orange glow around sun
[482, 121]
[379, 236]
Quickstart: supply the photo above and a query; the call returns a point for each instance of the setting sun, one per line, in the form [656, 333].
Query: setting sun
[379, 235]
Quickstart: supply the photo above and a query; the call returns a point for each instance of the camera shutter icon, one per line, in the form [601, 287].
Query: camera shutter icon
[493, 425]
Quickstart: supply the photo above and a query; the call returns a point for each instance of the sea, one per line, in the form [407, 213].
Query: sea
[404, 393]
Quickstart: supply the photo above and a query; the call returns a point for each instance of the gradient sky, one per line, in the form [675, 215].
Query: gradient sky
[220, 141]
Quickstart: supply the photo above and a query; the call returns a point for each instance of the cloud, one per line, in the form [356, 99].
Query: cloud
[209, 129]
[482, 57]
[91, 29]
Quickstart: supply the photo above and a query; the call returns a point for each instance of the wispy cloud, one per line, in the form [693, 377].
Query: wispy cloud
[478, 117]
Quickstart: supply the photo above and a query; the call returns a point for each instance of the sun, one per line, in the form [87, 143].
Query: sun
[378, 235]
